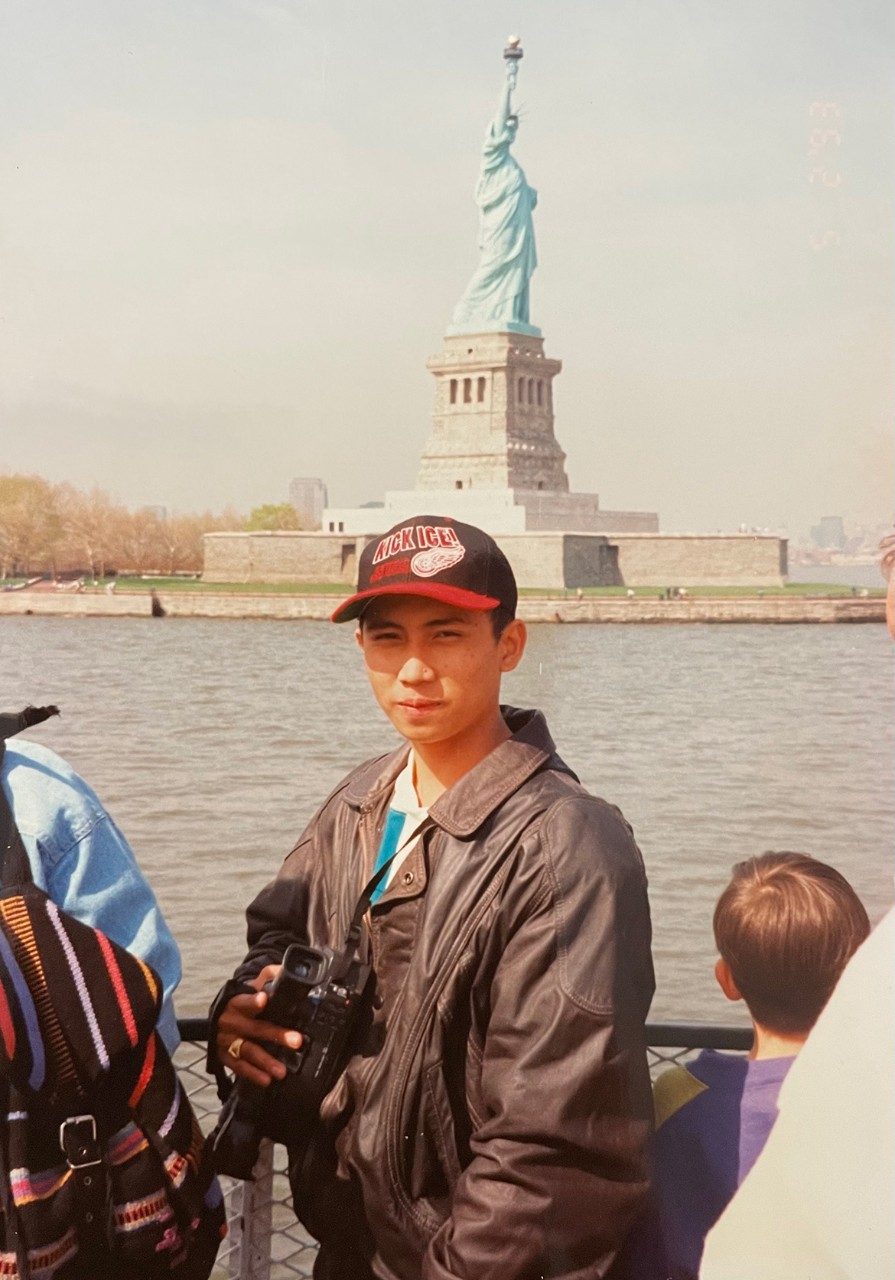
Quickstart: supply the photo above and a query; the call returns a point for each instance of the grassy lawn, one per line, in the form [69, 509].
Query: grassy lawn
[792, 589]
[232, 588]
[340, 589]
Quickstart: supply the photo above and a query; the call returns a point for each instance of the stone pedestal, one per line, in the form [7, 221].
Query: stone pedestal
[493, 421]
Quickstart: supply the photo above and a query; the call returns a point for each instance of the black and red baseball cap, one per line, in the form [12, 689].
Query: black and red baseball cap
[437, 557]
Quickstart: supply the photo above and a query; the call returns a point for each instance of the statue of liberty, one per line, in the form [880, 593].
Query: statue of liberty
[496, 297]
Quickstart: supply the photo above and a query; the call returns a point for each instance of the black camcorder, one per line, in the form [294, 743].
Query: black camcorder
[320, 993]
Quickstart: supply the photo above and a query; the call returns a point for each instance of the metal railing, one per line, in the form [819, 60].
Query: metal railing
[265, 1241]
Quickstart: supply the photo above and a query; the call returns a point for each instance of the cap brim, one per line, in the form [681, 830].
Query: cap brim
[354, 606]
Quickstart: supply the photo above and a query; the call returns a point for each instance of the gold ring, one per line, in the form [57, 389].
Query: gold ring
[234, 1048]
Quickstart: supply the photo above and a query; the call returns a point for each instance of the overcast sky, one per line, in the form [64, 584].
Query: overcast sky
[232, 231]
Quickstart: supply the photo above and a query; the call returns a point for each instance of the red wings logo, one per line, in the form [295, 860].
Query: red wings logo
[422, 538]
[427, 563]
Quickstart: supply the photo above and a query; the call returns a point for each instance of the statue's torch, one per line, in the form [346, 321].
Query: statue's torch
[512, 56]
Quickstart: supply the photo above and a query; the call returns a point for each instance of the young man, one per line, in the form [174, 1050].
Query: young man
[785, 928]
[493, 1118]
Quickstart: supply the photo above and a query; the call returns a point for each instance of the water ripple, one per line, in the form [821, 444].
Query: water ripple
[213, 742]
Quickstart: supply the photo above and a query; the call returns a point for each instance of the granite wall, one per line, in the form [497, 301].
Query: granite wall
[548, 560]
[284, 556]
[700, 560]
[593, 609]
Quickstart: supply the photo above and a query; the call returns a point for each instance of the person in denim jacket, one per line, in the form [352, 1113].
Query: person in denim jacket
[82, 861]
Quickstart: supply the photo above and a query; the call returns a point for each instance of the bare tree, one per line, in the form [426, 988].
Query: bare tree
[182, 539]
[60, 526]
[31, 530]
[90, 521]
[139, 544]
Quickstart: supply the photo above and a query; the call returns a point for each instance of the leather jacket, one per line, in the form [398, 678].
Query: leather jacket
[495, 1118]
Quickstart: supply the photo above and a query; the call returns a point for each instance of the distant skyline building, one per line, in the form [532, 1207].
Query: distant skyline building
[829, 534]
[308, 495]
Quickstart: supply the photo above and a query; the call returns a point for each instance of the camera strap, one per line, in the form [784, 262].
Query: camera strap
[353, 936]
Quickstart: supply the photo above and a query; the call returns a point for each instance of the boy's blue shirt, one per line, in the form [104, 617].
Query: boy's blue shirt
[713, 1117]
[82, 861]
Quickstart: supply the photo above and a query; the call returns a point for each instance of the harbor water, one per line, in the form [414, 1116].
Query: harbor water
[212, 742]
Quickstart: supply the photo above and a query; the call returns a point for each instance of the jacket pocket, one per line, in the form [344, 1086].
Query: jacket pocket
[429, 1162]
[441, 1123]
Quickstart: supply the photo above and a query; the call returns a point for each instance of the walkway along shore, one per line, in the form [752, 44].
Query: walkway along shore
[274, 606]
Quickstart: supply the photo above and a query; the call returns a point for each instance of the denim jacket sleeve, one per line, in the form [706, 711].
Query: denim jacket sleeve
[81, 859]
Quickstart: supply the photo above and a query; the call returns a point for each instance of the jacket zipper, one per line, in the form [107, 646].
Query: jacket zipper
[415, 1035]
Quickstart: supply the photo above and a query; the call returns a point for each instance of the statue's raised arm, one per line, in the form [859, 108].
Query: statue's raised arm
[496, 297]
[504, 106]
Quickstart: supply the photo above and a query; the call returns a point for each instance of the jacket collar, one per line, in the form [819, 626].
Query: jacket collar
[465, 806]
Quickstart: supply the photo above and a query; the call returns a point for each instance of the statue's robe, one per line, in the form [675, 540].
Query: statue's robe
[498, 291]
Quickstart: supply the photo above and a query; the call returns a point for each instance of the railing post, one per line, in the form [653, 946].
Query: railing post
[250, 1259]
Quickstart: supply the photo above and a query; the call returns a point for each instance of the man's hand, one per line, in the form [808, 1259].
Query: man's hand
[241, 1020]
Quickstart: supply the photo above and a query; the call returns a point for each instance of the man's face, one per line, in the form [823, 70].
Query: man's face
[434, 669]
